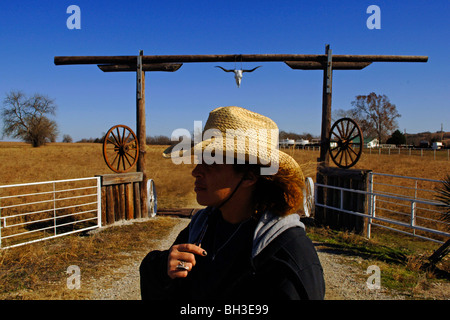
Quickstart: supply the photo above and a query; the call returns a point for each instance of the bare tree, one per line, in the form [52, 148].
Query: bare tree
[365, 125]
[26, 118]
[378, 113]
[67, 138]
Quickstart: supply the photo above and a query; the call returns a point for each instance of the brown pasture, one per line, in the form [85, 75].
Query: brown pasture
[20, 163]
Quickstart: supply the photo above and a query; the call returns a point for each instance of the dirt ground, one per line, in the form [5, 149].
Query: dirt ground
[344, 280]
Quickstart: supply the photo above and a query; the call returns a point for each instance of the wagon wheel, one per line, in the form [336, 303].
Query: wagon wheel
[308, 197]
[346, 143]
[120, 148]
[152, 199]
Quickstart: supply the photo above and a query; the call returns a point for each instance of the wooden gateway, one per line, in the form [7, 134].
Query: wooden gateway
[170, 63]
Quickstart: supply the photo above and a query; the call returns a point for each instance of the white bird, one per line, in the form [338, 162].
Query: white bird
[237, 73]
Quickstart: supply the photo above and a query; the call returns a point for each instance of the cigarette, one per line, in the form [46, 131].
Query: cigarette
[200, 238]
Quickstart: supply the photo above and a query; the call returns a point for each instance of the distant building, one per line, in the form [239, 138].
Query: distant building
[301, 142]
[437, 145]
[286, 143]
[368, 142]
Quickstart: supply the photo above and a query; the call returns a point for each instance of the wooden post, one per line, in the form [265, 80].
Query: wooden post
[104, 207]
[324, 158]
[326, 109]
[121, 199]
[141, 134]
[344, 178]
[110, 204]
[137, 201]
[121, 196]
[129, 205]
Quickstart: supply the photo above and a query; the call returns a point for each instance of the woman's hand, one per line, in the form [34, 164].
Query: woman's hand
[182, 255]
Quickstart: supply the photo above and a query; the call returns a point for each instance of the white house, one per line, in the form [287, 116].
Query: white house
[368, 142]
[371, 143]
[286, 143]
[301, 142]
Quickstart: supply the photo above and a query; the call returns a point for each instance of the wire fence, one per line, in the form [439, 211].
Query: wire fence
[425, 153]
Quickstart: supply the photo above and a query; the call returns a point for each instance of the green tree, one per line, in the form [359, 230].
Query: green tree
[397, 138]
[26, 118]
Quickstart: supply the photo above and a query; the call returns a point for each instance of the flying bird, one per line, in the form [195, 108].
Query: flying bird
[237, 73]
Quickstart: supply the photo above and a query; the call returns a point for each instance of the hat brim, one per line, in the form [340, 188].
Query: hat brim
[217, 150]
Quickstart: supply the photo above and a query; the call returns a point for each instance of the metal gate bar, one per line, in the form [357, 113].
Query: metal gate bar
[64, 206]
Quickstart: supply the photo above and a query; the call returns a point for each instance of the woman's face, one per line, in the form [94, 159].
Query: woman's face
[214, 183]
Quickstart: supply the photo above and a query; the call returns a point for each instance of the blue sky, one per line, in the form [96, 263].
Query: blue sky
[90, 101]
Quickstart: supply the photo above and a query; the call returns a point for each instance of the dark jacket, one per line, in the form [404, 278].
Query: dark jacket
[270, 258]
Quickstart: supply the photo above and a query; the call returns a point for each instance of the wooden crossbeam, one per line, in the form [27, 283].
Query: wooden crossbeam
[128, 60]
[167, 67]
[337, 65]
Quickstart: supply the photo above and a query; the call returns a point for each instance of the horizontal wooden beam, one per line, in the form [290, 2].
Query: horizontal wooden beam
[337, 65]
[69, 60]
[118, 178]
[167, 67]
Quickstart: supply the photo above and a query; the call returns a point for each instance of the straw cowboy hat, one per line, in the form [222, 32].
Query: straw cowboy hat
[237, 134]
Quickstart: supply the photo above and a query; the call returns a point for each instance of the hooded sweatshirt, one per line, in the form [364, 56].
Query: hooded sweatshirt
[268, 258]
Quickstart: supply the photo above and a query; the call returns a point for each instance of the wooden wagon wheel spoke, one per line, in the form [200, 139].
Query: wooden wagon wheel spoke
[343, 148]
[115, 158]
[349, 155]
[350, 134]
[337, 136]
[115, 138]
[346, 128]
[352, 150]
[128, 160]
[339, 131]
[113, 142]
[120, 148]
[342, 153]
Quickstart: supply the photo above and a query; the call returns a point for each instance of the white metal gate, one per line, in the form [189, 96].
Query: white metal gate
[31, 212]
[398, 206]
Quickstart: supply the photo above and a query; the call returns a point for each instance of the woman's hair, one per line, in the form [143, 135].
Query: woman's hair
[281, 193]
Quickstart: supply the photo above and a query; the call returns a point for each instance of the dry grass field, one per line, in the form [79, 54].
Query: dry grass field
[20, 163]
[35, 271]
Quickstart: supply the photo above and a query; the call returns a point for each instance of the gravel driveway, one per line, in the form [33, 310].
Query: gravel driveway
[343, 280]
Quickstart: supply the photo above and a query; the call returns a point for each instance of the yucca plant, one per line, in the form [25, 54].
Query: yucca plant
[444, 197]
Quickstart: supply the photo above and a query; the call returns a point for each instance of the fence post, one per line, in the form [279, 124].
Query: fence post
[99, 202]
[413, 216]
[54, 208]
[371, 205]
[1, 225]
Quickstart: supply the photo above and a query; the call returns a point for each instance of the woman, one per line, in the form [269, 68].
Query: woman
[248, 243]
